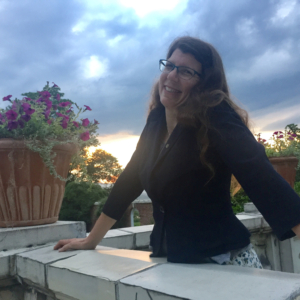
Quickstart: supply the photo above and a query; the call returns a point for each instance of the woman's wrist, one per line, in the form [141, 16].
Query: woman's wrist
[103, 224]
[91, 243]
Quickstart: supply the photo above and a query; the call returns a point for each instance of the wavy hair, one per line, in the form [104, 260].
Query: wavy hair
[211, 90]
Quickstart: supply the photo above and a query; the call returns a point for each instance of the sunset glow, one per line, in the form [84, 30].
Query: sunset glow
[121, 145]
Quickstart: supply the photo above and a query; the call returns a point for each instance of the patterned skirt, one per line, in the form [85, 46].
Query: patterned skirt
[245, 258]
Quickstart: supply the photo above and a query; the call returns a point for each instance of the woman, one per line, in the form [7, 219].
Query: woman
[194, 140]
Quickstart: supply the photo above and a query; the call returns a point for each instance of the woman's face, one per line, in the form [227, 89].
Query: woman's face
[173, 89]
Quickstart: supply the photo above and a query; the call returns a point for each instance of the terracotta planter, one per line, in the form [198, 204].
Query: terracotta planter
[29, 195]
[286, 167]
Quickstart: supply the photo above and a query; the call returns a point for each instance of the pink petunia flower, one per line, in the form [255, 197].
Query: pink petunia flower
[96, 122]
[276, 132]
[27, 99]
[62, 116]
[69, 110]
[11, 115]
[294, 135]
[290, 138]
[45, 94]
[64, 104]
[25, 105]
[85, 122]
[29, 111]
[48, 103]
[47, 113]
[26, 118]
[12, 125]
[49, 121]
[87, 107]
[85, 136]
[55, 85]
[58, 97]
[76, 124]
[280, 136]
[7, 98]
[21, 123]
[64, 123]
[14, 106]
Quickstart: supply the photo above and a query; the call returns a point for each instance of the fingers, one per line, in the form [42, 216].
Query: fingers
[65, 248]
[62, 243]
[65, 245]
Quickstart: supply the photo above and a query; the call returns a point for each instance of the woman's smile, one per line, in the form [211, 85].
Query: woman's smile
[171, 90]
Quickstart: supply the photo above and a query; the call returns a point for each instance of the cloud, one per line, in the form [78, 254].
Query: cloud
[273, 63]
[286, 13]
[277, 116]
[105, 53]
[142, 8]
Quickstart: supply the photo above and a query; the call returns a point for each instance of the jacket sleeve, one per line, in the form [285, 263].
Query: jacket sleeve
[246, 158]
[127, 187]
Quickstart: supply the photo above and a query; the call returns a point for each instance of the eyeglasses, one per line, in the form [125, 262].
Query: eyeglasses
[185, 73]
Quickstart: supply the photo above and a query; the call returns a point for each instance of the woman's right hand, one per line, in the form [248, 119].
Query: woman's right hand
[74, 244]
[103, 224]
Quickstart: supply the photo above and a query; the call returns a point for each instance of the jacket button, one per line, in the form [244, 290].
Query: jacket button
[167, 145]
[161, 209]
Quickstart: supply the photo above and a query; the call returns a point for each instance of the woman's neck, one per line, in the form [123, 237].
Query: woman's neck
[171, 120]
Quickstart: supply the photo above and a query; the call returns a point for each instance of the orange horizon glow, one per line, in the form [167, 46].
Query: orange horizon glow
[121, 145]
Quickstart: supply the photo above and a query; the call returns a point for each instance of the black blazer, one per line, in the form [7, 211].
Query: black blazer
[193, 214]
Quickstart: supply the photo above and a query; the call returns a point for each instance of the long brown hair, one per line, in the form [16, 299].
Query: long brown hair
[211, 90]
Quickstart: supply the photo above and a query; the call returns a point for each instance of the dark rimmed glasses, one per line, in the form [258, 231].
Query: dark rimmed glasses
[185, 73]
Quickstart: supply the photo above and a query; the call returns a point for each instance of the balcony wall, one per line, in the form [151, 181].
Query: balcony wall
[119, 270]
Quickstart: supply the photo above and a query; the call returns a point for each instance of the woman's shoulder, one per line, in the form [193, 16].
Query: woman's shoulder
[223, 112]
[156, 114]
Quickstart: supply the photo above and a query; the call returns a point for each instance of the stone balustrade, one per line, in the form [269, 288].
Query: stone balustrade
[117, 270]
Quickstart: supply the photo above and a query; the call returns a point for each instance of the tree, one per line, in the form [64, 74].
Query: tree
[79, 198]
[102, 166]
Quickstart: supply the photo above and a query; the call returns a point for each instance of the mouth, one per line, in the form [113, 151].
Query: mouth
[171, 90]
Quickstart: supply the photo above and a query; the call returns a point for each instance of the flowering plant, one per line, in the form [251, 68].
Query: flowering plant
[282, 144]
[43, 120]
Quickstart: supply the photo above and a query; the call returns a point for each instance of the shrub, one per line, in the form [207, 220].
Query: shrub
[297, 187]
[238, 201]
[79, 199]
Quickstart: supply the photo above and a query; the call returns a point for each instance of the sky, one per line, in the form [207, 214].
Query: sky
[105, 54]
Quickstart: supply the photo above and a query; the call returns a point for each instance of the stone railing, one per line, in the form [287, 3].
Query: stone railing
[30, 269]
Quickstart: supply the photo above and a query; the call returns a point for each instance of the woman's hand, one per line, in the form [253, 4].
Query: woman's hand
[74, 244]
[103, 224]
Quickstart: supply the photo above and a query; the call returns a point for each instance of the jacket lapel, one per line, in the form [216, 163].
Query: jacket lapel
[176, 133]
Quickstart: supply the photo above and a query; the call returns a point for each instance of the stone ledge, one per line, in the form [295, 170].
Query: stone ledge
[209, 282]
[115, 274]
[8, 266]
[254, 222]
[141, 235]
[128, 237]
[33, 265]
[21, 237]
[117, 238]
[92, 275]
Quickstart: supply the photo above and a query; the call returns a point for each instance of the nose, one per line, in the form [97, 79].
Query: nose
[173, 75]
